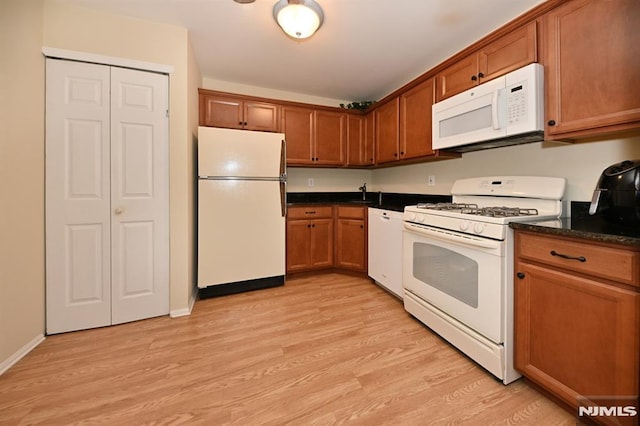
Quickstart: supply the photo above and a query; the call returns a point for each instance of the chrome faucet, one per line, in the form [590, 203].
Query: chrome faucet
[363, 188]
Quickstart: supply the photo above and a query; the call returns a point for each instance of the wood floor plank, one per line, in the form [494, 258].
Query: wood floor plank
[321, 350]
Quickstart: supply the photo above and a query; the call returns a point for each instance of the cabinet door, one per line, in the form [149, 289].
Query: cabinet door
[261, 116]
[298, 245]
[356, 154]
[369, 139]
[576, 336]
[330, 130]
[387, 121]
[593, 67]
[508, 53]
[457, 78]
[415, 120]
[217, 111]
[350, 244]
[297, 125]
[321, 243]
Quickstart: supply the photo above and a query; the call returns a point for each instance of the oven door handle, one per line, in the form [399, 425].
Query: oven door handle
[463, 239]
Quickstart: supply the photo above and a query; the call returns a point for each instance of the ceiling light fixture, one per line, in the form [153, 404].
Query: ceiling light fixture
[298, 18]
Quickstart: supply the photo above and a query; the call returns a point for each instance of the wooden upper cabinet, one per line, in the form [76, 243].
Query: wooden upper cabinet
[297, 126]
[329, 142]
[387, 132]
[369, 138]
[415, 120]
[355, 140]
[592, 58]
[314, 137]
[458, 77]
[360, 140]
[237, 113]
[511, 51]
[261, 116]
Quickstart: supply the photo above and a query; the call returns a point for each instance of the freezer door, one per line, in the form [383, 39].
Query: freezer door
[241, 231]
[242, 153]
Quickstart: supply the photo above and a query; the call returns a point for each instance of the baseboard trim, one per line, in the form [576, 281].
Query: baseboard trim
[20, 353]
[186, 311]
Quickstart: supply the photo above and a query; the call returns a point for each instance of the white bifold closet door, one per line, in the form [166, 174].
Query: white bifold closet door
[107, 202]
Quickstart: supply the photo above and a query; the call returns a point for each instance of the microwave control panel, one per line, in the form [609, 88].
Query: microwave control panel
[516, 103]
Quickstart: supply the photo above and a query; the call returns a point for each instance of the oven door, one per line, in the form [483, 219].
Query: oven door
[461, 275]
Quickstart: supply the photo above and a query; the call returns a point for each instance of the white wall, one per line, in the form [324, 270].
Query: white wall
[21, 176]
[327, 180]
[580, 163]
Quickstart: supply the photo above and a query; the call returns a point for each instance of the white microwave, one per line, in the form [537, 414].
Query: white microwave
[505, 111]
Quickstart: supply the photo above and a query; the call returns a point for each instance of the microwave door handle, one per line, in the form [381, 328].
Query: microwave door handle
[495, 122]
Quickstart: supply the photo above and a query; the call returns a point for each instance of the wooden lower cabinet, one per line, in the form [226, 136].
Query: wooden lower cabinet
[351, 238]
[309, 238]
[577, 335]
[318, 239]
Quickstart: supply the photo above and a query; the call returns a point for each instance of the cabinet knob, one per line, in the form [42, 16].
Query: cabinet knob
[474, 78]
[401, 152]
[313, 225]
[240, 123]
[480, 75]
[118, 211]
[520, 275]
[551, 122]
[395, 154]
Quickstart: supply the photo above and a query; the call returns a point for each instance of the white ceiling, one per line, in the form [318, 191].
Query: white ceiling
[365, 49]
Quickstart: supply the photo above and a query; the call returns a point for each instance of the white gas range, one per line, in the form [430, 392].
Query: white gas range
[458, 262]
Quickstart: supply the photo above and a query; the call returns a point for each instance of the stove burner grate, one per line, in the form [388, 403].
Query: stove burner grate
[500, 211]
[446, 206]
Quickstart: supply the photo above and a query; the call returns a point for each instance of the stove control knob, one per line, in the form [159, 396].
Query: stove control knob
[478, 228]
[421, 218]
[464, 226]
[412, 216]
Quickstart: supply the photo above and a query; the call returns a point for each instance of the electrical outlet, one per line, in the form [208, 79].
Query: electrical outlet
[310, 182]
[431, 180]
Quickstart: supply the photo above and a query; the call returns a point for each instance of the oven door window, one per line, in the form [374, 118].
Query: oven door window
[450, 272]
[463, 281]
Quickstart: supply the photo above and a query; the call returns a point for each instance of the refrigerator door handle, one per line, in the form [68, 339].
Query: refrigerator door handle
[283, 178]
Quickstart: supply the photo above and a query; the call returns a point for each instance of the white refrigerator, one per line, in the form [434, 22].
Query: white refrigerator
[241, 210]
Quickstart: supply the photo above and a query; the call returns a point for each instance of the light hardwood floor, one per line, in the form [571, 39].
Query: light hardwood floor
[321, 350]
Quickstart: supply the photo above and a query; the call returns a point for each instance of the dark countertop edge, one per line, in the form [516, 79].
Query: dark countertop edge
[567, 231]
[390, 200]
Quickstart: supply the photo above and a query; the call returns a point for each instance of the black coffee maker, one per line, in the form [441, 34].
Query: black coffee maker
[617, 194]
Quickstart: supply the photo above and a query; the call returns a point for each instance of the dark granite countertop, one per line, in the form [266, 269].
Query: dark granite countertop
[582, 225]
[390, 200]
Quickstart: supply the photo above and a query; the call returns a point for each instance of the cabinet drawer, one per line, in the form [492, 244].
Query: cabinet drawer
[601, 261]
[309, 212]
[351, 212]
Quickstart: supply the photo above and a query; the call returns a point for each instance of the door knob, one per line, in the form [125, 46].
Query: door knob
[118, 210]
